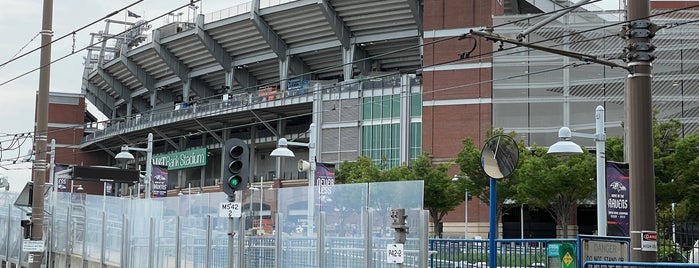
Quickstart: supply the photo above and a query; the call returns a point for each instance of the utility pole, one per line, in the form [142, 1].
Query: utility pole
[639, 117]
[41, 133]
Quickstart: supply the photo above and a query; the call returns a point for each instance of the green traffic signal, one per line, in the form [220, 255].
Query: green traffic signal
[234, 181]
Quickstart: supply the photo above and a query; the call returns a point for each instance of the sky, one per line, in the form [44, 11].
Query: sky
[20, 22]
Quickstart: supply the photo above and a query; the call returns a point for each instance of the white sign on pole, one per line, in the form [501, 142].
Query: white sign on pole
[649, 241]
[394, 253]
[33, 246]
[229, 210]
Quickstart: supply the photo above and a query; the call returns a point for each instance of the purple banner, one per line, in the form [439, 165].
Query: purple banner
[61, 181]
[617, 199]
[325, 179]
[159, 180]
[108, 188]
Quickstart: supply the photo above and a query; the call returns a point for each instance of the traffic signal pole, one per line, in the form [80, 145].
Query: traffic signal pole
[235, 177]
[231, 235]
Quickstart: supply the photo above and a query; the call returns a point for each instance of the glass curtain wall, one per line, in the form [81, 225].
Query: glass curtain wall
[381, 127]
[536, 92]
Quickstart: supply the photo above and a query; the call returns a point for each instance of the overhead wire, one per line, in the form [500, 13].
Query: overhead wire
[486, 54]
[194, 1]
[20, 50]
[73, 52]
[72, 33]
[433, 42]
[669, 25]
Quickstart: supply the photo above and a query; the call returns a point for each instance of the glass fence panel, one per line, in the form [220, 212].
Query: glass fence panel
[339, 227]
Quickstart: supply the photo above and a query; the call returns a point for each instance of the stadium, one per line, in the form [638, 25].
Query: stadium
[384, 79]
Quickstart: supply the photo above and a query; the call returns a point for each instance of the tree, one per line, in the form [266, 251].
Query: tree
[478, 183]
[556, 184]
[685, 164]
[441, 194]
[362, 170]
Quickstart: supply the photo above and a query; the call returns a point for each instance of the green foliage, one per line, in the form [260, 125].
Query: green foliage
[513, 259]
[684, 163]
[441, 194]
[478, 183]
[676, 166]
[556, 184]
[668, 252]
[361, 171]
[614, 149]
[540, 180]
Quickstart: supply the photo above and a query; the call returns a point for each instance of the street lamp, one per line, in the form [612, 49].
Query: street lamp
[566, 147]
[282, 150]
[262, 192]
[4, 183]
[124, 155]
[456, 178]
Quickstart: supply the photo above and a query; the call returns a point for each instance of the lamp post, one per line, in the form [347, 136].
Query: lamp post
[124, 155]
[566, 147]
[4, 183]
[78, 187]
[456, 178]
[282, 150]
[261, 189]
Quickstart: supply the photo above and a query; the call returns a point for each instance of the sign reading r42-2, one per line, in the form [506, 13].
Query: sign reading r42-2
[394, 253]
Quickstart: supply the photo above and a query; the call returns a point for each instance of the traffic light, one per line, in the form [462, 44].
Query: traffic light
[398, 217]
[27, 228]
[236, 166]
[398, 223]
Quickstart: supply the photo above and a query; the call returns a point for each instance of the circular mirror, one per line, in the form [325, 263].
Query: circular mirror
[499, 156]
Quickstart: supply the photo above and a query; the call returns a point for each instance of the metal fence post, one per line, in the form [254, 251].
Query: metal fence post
[278, 237]
[178, 241]
[151, 241]
[241, 240]
[124, 242]
[368, 243]
[208, 241]
[320, 241]
[424, 238]
[104, 231]
[84, 254]
[7, 237]
[69, 234]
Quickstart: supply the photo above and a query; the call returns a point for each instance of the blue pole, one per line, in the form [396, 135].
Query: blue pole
[493, 223]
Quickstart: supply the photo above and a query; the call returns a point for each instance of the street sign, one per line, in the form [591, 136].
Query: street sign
[33, 246]
[229, 210]
[394, 253]
[649, 241]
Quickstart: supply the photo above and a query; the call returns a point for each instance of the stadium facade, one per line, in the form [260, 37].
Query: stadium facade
[385, 79]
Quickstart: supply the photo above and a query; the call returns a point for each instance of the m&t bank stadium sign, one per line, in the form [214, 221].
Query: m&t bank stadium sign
[180, 160]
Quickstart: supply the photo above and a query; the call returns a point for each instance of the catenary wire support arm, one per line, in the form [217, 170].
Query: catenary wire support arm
[583, 57]
[553, 17]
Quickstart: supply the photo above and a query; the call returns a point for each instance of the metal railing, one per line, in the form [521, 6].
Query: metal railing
[267, 96]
